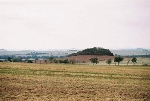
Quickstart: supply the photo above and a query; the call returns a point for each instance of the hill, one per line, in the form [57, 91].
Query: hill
[93, 51]
[86, 54]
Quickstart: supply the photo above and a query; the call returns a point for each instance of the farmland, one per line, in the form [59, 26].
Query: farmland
[65, 82]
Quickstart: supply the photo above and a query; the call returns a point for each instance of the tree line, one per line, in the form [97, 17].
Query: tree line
[73, 61]
[116, 60]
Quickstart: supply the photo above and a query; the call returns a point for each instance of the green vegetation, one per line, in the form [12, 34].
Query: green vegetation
[93, 51]
[51, 59]
[17, 59]
[118, 59]
[109, 61]
[55, 61]
[65, 61]
[94, 60]
[134, 60]
[29, 61]
[72, 61]
[9, 59]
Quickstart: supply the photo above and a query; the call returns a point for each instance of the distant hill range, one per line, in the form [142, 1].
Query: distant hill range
[73, 52]
[129, 52]
[141, 49]
[3, 50]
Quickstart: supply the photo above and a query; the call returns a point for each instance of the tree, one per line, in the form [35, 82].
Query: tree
[55, 61]
[51, 59]
[118, 59]
[72, 61]
[66, 61]
[94, 60]
[109, 61]
[45, 61]
[134, 60]
[29, 61]
[17, 59]
[60, 61]
[9, 59]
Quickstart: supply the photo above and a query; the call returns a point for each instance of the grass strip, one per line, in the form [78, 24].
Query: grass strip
[16, 71]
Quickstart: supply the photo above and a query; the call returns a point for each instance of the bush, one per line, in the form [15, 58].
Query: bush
[55, 61]
[109, 61]
[64, 61]
[61, 61]
[145, 64]
[29, 61]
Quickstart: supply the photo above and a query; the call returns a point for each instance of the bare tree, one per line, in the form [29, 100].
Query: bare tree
[128, 60]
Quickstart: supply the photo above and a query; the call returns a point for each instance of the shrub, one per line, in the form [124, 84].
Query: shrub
[29, 61]
[55, 61]
[145, 64]
[109, 61]
[66, 61]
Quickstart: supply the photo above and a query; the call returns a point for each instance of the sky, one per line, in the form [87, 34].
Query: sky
[80, 24]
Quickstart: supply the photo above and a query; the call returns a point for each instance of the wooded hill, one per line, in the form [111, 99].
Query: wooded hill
[93, 51]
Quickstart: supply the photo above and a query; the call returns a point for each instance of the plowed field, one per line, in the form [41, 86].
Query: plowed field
[60, 82]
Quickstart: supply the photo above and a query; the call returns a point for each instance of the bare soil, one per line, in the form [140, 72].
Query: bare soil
[59, 82]
[86, 58]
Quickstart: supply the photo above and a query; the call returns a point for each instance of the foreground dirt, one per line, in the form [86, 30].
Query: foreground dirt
[32, 82]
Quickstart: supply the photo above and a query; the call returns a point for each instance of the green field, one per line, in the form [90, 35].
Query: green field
[60, 82]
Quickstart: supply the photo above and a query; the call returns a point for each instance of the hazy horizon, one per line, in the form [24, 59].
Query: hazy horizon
[78, 49]
[79, 24]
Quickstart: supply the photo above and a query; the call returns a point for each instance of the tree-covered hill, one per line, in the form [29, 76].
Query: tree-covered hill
[93, 51]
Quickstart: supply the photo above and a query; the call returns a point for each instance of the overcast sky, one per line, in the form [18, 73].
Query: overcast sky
[61, 24]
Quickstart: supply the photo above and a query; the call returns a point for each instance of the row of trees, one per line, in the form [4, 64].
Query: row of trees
[116, 59]
[15, 59]
[119, 59]
[65, 61]
[50, 60]
[72, 61]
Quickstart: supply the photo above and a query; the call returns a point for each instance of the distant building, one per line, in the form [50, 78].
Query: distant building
[2, 59]
[31, 59]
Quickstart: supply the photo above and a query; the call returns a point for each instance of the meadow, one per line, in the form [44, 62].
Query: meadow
[66, 82]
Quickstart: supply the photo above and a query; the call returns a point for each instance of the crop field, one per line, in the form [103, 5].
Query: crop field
[65, 82]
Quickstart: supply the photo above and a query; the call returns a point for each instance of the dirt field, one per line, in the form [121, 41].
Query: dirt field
[86, 58]
[102, 60]
[59, 82]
